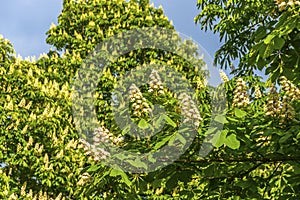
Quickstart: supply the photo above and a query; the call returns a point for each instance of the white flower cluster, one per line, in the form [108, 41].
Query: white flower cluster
[223, 76]
[100, 136]
[189, 110]
[139, 103]
[155, 83]
[289, 88]
[272, 108]
[292, 93]
[287, 110]
[283, 5]
[84, 178]
[282, 108]
[257, 92]
[240, 98]
[96, 154]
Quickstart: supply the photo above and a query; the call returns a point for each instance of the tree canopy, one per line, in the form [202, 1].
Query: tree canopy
[262, 34]
[256, 151]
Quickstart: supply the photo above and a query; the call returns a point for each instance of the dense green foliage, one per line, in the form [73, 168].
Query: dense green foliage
[262, 34]
[255, 156]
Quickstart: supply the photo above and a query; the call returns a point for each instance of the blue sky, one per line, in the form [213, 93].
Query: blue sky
[25, 22]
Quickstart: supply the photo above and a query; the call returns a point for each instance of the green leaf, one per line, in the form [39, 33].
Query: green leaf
[143, 124]
[93, 168]
[232, 119]
[245, 183]
[159, 144]
[151, 158]
[260, 34]
[239, 113]
[298, 135]
[117, 172]
[285, 138]
[211, 130]
[269, 49]
[279, 43]
[159, 121]
[262, 49]
[180, 138]
[170, 121]
[138, 163]
[221, 119]
[269, 38]
[232, 142]
[219, 138]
